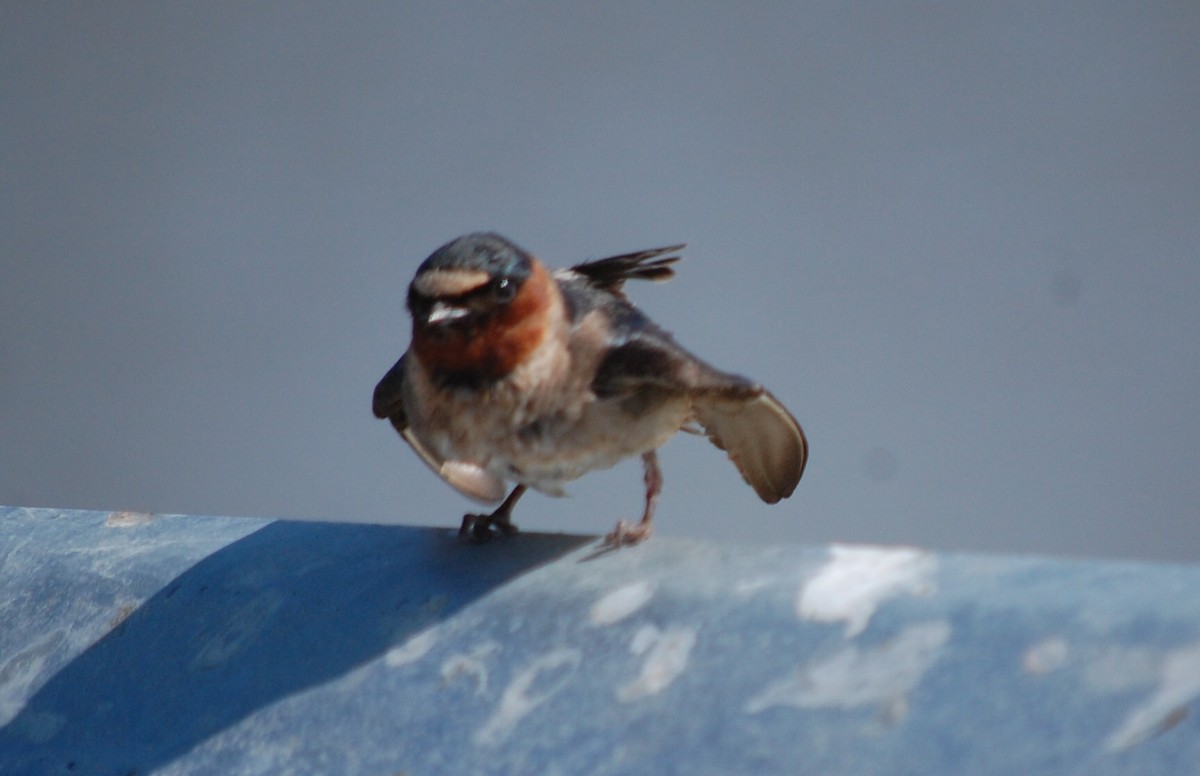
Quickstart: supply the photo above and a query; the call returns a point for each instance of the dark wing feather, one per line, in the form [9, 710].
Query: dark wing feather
[389, 397]
[649, 357]
[739, 416]
[610, 274]
[467, 478]
[388, 401]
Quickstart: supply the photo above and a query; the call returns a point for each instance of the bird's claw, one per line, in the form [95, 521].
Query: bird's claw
[625, 534]
[483, 528]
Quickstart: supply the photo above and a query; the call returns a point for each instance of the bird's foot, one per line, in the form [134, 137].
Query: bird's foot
[483, 528]
[625, 534]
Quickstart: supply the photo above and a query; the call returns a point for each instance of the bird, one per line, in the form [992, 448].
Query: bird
[519, 373]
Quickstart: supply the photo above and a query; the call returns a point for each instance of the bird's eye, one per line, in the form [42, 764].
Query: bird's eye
[505, 289]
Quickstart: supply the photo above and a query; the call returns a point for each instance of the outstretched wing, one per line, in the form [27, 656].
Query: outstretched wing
[469, 479]
[762, 439]
[739, 416]
[610, 274]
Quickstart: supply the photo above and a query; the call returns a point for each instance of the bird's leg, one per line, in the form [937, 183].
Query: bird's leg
[479, 527]
[627, 534]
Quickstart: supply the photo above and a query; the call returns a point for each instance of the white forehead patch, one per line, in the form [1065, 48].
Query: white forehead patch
[437, 283]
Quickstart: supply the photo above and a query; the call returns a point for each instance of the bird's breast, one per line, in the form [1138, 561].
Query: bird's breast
[542, 425]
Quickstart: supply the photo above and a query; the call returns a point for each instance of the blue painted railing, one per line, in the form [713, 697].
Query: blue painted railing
[138, 644]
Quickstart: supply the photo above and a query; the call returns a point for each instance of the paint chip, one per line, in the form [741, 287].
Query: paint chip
[851, 677]
[128, 519]
[411, 650]
[553, 670]
[470, 665]
[1179, 685]
[22, 672]
[668, 653]
[621, 603]
[855, 580]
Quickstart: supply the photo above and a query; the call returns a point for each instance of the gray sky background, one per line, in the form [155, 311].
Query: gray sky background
[960, 241]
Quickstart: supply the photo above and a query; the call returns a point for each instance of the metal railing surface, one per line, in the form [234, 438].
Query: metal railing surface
[139, 644]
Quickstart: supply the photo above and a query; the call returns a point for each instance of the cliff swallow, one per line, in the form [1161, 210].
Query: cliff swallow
[520, 373]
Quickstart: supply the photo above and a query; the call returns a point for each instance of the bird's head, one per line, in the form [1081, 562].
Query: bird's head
[480, 305]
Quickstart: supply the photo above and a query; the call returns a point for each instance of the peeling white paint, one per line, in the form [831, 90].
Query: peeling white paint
[1045, 656]
[411, 650]
[128, 519]
[23, 672]
[461, 665]
[855, 580]
[241, 628]
[470, 665]
[667, 654]
[621, 603]
[1179, 685]
[851, 678]
[518, 700]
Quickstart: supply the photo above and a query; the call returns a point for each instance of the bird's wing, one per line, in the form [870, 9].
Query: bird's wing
[610, 274]
[739, 416]
[388, 401]
[469, 479]
[761, 437]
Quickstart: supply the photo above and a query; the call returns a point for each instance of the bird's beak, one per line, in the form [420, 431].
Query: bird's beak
[444, 313]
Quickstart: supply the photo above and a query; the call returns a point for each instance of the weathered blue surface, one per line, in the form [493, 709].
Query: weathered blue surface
[134, 645]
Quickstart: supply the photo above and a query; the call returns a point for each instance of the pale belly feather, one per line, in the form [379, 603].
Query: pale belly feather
[545, 437]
